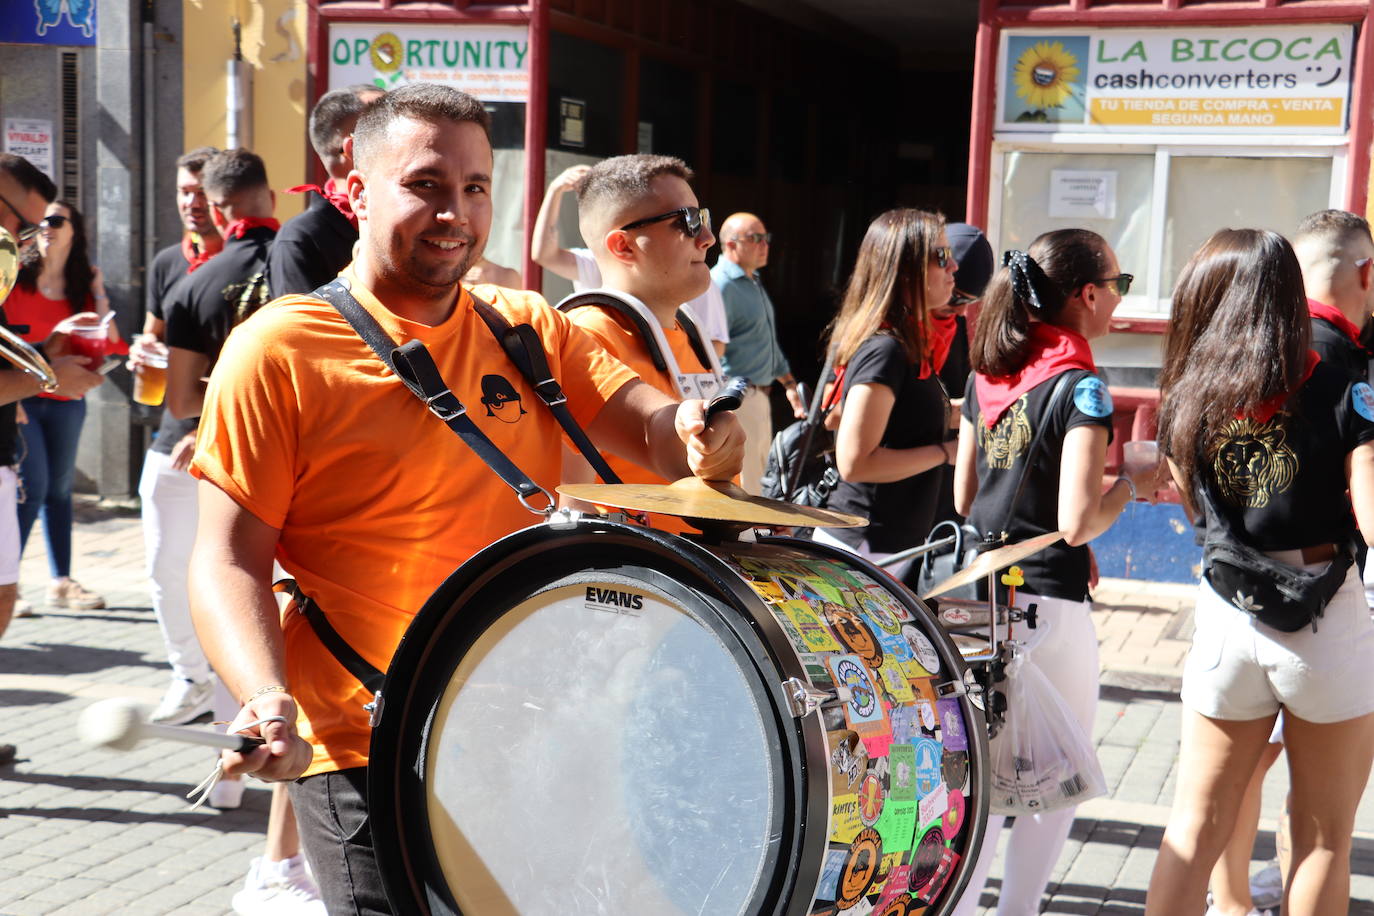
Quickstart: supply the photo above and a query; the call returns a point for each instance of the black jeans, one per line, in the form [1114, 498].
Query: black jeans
[336, 834]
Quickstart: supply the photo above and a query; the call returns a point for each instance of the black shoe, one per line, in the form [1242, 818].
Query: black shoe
[7, 754]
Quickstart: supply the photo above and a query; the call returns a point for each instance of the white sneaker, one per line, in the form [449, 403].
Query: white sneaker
[1266, 886]
[185, 701]
[226, 794]
[279, 889]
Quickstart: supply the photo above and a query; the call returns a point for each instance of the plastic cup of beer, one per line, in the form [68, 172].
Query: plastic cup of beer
[150, 379]
[90, 341]
[1140, 455]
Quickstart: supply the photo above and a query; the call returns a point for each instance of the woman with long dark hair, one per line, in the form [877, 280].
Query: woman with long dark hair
[890, 446]
[1032, 448]
[58, 285]
[1264, 439]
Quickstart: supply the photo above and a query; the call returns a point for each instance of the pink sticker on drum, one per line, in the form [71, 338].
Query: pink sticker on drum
[953, 820]
[952, 734]
[895, 887]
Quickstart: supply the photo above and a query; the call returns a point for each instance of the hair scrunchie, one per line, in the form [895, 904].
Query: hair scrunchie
[1023, 276]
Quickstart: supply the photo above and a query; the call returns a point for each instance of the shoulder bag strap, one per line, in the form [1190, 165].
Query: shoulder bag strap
[416, 369]
[526, 351]
[1032, 452]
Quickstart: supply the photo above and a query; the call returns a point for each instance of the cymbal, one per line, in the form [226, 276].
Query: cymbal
[994, 560]
[715, 500]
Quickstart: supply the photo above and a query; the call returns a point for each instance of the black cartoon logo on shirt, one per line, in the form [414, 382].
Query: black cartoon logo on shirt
[501, 399]
[1251, 461]
[1008, 440]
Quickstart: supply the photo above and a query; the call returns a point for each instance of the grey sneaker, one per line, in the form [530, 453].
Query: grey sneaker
[1266, 886]
[185, 701]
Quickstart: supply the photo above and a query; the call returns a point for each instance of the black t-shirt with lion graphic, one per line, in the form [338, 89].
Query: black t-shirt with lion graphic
[1281, 483]
[1059, 571]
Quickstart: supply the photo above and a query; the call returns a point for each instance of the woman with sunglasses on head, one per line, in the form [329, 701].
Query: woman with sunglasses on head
[890, 448]
[58, 286]
[1264, 439]
[1032, 449]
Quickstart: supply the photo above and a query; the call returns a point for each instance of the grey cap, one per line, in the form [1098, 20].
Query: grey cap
[974, 256]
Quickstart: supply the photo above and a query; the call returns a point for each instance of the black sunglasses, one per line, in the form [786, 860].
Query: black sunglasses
[942, 255]
[1122, 282]
[694, 219]
[27, 230]
[54, 221]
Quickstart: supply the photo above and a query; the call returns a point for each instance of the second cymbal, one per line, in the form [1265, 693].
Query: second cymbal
[713, 500]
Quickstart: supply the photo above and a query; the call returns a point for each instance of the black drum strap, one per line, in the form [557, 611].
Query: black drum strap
[370, 677]
[526, 351]
[416, 369]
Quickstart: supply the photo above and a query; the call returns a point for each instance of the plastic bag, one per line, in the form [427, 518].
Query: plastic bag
[1041, 759]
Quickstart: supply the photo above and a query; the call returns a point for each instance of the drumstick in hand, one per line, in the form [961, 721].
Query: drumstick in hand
[120, 724]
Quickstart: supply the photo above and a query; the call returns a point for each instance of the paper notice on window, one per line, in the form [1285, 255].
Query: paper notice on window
[1082, 195]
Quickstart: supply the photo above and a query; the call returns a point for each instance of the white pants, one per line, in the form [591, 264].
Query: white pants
[756, 416]
[169, 530]
[1063, 646]
[9, 526]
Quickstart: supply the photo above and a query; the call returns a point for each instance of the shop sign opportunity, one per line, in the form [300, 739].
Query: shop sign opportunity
[489, 62]
[1271, 79]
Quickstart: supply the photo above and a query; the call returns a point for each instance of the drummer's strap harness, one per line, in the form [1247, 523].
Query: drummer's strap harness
[415, 367]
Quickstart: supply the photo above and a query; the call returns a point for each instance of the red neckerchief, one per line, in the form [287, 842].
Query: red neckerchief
[923, 369]
[239, 227]
[942, 331]
[1052, 350]
[1264, 411]
[1332, 315]
[196, 250]
[330, 192]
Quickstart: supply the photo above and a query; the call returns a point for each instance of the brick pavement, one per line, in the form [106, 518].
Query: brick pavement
[87, 831]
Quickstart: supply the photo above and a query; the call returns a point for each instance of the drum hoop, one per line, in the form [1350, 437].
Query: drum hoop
[953, 662]
[399, 739]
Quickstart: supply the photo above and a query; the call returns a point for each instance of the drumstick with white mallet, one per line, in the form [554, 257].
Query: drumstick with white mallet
[120, 724]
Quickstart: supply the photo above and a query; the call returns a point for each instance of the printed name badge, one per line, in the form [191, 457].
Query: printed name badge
[1363, 397]
[1092, 397]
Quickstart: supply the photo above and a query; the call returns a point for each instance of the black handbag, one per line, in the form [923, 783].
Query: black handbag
[938, 565]
[1284, 597]
[801, 458]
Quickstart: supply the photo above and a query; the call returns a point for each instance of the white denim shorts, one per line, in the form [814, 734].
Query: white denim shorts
[1240, 669]
[9, 526]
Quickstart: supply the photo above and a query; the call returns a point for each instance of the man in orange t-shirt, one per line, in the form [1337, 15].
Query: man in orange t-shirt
[649, 238]
[310, 451]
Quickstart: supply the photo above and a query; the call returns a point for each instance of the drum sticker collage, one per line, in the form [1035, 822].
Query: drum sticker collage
[899, 765]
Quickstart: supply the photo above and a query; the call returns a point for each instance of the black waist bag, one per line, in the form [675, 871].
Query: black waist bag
[1284, 597]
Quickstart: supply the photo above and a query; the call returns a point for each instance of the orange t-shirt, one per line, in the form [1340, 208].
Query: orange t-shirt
[376, 500]
[619, 337]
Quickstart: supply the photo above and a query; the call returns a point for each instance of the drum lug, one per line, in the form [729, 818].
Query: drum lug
[968, 686]
[803, 699]
[374, 709]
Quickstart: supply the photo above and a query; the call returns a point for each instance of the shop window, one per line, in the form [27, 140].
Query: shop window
[1156, 205]
[590, 74]
[668, 102]
[1207, 193]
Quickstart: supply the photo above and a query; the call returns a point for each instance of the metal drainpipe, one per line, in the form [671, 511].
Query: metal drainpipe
[239, 101]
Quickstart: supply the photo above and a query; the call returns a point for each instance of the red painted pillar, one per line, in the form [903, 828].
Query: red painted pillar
[984, 114]
[1361, 120]
[536, 130]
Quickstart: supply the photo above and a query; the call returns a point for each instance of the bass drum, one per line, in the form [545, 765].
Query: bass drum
[596, 718]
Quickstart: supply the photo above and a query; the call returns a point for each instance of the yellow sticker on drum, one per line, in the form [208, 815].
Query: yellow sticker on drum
[845, 822]
[814, 632]
[896, 682]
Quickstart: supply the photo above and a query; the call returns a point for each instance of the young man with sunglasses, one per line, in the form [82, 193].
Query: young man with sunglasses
[581, 267]
[753, 350]
[650, 239]
[24, 194]
[311, 451]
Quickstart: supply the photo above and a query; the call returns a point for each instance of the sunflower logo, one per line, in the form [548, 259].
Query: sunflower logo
[1045, 75]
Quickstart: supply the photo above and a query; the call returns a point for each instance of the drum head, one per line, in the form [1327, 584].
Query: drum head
[579, 723]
